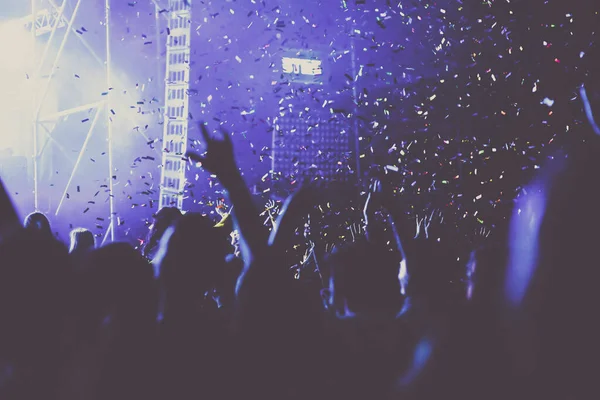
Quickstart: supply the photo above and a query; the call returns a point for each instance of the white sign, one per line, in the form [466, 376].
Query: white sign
[302, 66]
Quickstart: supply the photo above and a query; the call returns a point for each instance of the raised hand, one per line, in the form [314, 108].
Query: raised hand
[355, 230]
[270, 207]
[480, 236]
[430, 225]
[420, 222]
[373, 201]
[433, 224]
[218, 158]
[221, 208]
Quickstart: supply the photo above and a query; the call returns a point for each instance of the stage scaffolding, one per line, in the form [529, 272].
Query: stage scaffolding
[177, 86]
[49, 16]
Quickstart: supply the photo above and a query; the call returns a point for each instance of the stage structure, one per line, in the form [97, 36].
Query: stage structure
[45, 21]
[311, 146]
[49, 16]
[309, 141]
[177, 85]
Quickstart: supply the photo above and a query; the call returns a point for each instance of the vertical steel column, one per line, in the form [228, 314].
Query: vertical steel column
[159, 70]
[34, 121]
[111, 198]
[355, 101]
[273, 142]
[355, 127]
[79, 158]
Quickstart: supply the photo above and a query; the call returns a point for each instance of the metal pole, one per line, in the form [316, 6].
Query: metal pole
[355, 100]
[99, 60]
[55, 65]
[157, 34]
[273, 152]
[34, 106]
[106, 236]
[158, 8]
[111, 200]
[79, 158]
[81, 39]
[49, 139]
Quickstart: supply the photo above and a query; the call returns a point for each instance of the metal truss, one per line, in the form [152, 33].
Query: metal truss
[177, 85]
[47, 21]
[44, 21]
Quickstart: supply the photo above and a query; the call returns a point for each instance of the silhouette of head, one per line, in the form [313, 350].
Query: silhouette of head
[436, 273]
[191, 254]
[33, 283]
[81, 240]
[163, 219]
[116, 285]
[364, 279]
[38, 222]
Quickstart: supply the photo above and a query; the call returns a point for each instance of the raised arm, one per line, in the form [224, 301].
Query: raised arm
[9, 218]
[380, 225]
[219, 160]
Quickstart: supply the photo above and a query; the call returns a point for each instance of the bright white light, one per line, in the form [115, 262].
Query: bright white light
[78, 80]
[16, 45]
[16, 50]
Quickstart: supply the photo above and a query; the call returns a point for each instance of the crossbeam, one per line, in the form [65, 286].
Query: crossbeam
[65, 113]
[45, 20]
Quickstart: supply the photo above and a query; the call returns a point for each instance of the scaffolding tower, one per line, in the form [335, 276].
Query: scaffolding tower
[47, 16]
[177, 85]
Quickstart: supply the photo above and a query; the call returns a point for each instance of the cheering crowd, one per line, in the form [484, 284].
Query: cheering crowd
[282, 304]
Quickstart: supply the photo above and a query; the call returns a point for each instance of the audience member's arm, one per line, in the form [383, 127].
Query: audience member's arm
[9, 218]
[380, 224]
[219, 159]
